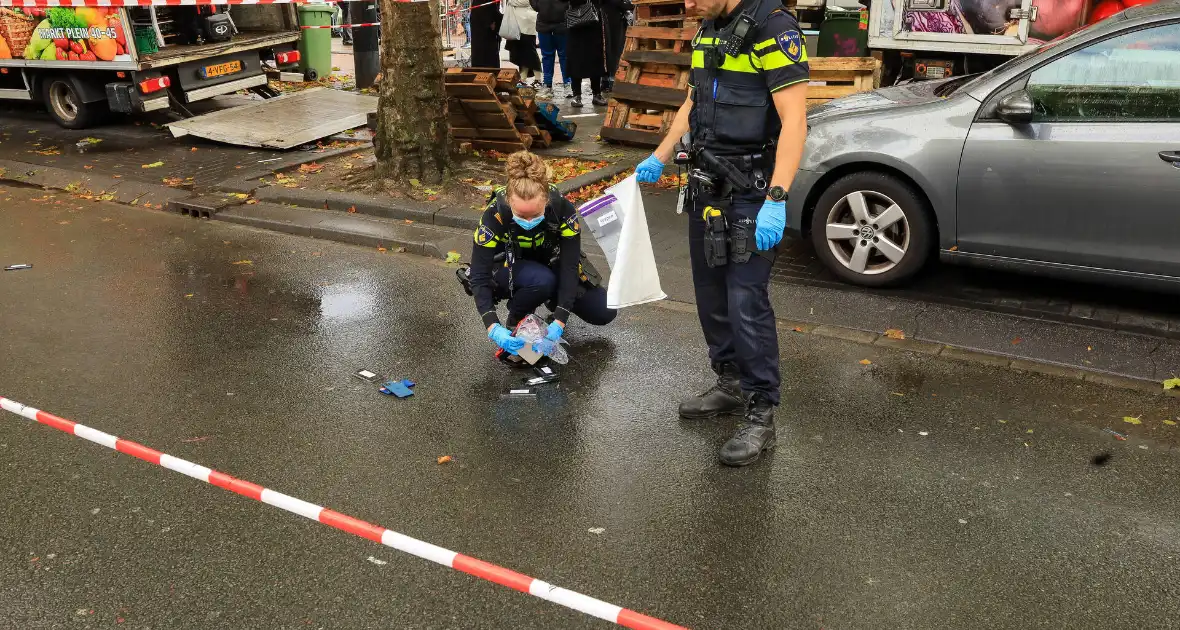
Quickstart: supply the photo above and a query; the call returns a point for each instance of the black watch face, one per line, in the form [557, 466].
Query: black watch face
[777, 193]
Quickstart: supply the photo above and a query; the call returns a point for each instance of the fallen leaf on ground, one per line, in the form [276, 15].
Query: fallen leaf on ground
[1017, 340]
[797, 329]
[153, 165]
[193, 150]
[382, 249]
[352, 209]
[1170, 423]
[1029, 431]
[415, 183]
[188, 295]
[1003, 422]
[894, 333]
[311, 167]
[89, 141]
[250, 202]
[865, 362]
[244, 262]
[1172, 383]
[88, 166]
[444, 459]
[897, 393]
[1130, 420]
[453, 257]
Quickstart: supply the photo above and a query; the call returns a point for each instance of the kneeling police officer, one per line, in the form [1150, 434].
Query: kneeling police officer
[528, 250]
[747, 116]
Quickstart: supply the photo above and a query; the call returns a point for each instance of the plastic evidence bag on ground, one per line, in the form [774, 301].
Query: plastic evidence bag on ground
[533, 330]
[619, 224]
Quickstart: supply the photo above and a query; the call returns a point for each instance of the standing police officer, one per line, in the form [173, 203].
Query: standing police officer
[747, 115]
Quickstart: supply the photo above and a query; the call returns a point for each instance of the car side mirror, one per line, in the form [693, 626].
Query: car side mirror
[1016, 108]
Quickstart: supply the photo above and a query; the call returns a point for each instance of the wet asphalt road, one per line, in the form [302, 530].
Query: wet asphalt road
[141, 324]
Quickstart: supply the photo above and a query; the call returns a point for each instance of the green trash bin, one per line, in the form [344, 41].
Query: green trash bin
[844, 34]
[315, 44]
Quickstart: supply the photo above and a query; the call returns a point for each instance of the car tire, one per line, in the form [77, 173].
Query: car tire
[872, 229]
[65, 104]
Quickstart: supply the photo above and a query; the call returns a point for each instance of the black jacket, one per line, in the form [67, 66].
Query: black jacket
[550, 15]
[561, 231]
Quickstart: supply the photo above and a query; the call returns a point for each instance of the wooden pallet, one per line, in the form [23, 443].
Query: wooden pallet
[489, 112]
[650, 86]
[843, 76]
[664, 13]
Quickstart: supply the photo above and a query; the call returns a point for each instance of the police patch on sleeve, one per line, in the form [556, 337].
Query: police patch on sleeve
[484, 235]
[792, 44]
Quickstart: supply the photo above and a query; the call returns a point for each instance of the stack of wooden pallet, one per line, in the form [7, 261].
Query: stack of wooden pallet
[841, 76]
[666, 13]
[651, 84]
[489, 111]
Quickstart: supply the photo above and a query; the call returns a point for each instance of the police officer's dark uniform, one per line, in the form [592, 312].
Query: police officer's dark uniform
[534, 267]
[734, 120]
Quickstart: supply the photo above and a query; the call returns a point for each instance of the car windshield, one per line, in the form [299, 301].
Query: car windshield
[973, 80]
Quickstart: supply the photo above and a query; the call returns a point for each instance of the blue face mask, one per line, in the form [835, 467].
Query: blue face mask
[528, 224]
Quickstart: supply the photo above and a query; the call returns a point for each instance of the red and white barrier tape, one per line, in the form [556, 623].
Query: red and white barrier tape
[343, 522]
[344, 25]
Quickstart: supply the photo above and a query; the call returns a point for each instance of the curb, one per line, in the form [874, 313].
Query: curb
[119, 190]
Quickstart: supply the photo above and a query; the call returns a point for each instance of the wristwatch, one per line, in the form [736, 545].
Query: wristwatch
[777, 193]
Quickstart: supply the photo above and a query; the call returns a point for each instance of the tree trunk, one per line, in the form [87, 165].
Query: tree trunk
[413, 137]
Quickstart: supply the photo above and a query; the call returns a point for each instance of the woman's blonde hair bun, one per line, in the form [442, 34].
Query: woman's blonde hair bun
[528, 175]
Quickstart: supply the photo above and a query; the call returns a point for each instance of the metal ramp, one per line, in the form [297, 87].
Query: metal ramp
[282, 122]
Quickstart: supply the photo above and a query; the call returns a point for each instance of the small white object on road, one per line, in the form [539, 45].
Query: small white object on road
[377, 561]
[923, 433]
[94, 511]
[596, 530]
[962, 521]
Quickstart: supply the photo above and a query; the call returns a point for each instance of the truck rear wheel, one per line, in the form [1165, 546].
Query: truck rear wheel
[66, 106]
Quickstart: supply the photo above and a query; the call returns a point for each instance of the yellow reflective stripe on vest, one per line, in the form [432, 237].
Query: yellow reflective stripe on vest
[742, 63]
[765, 44]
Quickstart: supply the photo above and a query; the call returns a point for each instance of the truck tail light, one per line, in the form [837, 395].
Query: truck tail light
[154, 85]
[289, 57]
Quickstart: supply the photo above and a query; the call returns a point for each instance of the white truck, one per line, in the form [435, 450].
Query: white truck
[84, 61]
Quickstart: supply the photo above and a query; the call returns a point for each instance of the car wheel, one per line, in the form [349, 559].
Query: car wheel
[872, 229]
[65, 104]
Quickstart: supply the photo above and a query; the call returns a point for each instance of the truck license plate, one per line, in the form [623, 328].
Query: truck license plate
[221, 69]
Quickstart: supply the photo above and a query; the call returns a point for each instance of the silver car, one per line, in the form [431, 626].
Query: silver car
[1063, 161]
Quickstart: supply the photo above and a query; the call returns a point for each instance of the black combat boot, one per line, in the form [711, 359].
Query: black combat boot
[723, 398]
[753, 436]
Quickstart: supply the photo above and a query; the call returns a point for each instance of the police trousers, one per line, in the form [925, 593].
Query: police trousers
[536, 284]
[733, 300]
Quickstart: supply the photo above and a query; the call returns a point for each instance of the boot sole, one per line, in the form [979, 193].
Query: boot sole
[746, 462]
[710, 416]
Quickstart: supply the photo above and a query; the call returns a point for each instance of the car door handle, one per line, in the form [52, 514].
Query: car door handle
[1170, 156]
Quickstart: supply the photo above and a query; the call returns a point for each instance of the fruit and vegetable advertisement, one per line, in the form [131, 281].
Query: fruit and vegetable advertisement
[83, 34]
[994, 17]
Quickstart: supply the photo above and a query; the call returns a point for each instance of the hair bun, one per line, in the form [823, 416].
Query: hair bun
[530, 166]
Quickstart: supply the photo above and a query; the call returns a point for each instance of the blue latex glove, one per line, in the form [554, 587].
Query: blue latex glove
[502, 337]
[650, 170]
[772, 220]
[555, 331]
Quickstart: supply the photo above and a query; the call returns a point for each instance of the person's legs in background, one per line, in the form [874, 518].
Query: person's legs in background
[561, 54]
[596, 89]
[576, 91]
[548, 45]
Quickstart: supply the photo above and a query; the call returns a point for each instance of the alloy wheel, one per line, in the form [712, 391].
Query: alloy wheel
[867, 232]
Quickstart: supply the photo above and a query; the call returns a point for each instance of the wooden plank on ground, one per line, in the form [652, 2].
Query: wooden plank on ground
[668, 97]
[469, 91]
[511, 135]
[459, 118]
[632, 136]
[645, 120]
[473, 78]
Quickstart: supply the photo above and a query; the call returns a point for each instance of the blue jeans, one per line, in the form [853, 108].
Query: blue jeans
[552, 45]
